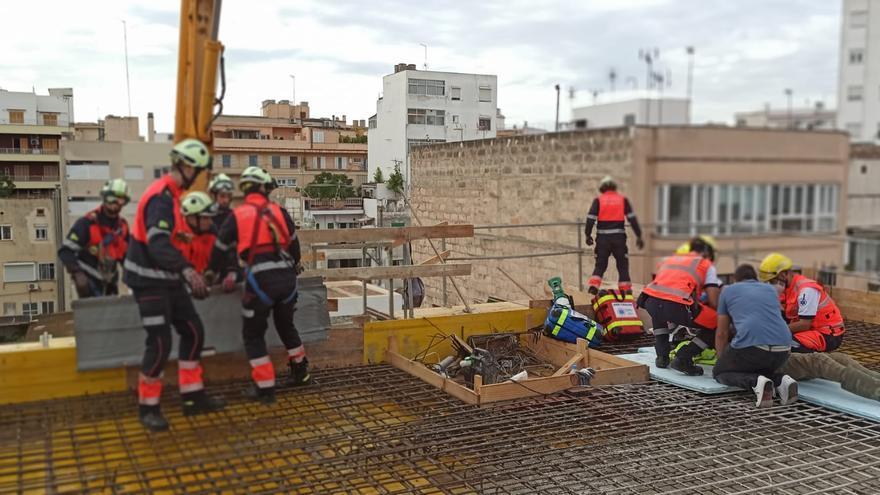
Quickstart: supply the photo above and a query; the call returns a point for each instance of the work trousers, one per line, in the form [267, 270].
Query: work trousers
[606, 246]
[815, 341]
[836, 367]
[278, 285]
[666, 316]
[741, 367]
[160, 308]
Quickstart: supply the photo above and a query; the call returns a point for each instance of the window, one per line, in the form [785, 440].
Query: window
[286, 182]
[319, 162]
[160, 171]
[629, 119]
[133, 172]
[318, 136]
[455, 119]
[419, 142]
[19, 272]
[330, 225]
[858, 18]
[276, 161]
[374, 122]
[16, 116]
[427, 87]
[341, 162]
[5, 232]
[455, 93]
[50, 119]
[485, 124]
[41, 212]
[47, 307]
[30, 309]
[854, 93]
[416, 115]
[252, 160]
[294, 162]
[8, 309]
[864, 169]
[856, 56]
[226, 161]
[485, 93]
[41, 232]
[86, 170]
[47, 271]
[436, 117]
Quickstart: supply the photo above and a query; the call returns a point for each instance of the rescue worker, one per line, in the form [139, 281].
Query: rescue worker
[609, 212]
[813, 318]
[158, 273]
[672, 299]
[96, 244]
[221, 187]
[266, 242]
[199, 212]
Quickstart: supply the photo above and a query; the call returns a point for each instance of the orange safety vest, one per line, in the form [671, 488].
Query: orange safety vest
[181, 233]
[828, 320]
[611, 206]
[198, 251]
[679, 278]
[105, 242]
[261, 226]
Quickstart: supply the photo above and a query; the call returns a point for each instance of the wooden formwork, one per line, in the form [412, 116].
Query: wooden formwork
[610, 370]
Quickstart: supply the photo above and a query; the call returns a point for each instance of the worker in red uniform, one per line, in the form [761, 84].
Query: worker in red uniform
[672, 299]
[97, 243]
[813, 317]
[609, 212]
[158, 273]
[199, 211]
[266, 243]
[221, 187]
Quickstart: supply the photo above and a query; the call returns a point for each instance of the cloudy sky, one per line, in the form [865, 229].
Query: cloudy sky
[747, 51]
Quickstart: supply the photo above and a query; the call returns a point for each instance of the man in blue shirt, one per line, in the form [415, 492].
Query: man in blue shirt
[761, 343]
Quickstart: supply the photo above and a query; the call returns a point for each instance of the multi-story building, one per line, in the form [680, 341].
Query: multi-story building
[863, 204]
[423, 107]
[816, 118]
[632, 111]
[858, 83]
[32, 127]
[292, 146]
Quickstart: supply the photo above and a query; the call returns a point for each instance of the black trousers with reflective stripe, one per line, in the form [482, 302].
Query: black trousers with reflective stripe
[612, 244]
[160, 308]
[278, 285]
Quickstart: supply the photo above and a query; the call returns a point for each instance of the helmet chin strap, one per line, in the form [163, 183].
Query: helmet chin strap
[187, 182]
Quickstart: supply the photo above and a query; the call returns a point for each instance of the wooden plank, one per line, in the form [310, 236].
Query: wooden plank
[551, 350]
[386, 272]
[536, 386]
[308, 258]
[404, 234]
[332, 304]
[421, 372]
[567, 366]
[433, 260]
[618, 376]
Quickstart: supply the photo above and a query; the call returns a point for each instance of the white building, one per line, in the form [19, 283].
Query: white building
[636, 111]
[420, 107]
[23, 108]
[810, 118]
[858, 83]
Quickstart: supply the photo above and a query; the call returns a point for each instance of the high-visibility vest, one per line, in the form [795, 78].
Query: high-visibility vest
[139, 231]
[105, 242]
[261, 226]
[679, 277]
[611, 206]
[198, 252]
[828, 320]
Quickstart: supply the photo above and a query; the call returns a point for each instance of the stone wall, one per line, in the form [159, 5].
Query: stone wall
[519, 180]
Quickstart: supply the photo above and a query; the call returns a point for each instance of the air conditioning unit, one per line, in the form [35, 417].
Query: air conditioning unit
[33, 287]
[35, 142]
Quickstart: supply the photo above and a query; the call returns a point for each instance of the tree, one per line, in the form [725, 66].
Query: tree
[7, 186]
[330, 186]
[395, 181]
[378, 177]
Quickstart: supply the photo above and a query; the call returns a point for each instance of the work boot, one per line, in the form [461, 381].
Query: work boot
[195, 403]
[152, 419]
[298, 375]
[593, 290]
[661, 347]
[261, 395]
[684, 360]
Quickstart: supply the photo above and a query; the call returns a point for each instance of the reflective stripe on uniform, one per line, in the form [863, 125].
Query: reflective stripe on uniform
[89, 269]
[71, 245]
[592, 217]
[611, 231]
[143, 271]
[560, 321]
[247, 313]
[154, 231]
[221, 246]
[189, 376]
[270, 265]
[630, 215]
[670, 291]
[153, 321]
[263, 372]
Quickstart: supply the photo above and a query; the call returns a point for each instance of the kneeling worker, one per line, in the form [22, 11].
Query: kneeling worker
[813, 318]
[265, 239]
[762, 342]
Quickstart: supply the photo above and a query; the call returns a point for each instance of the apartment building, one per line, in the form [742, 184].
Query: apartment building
[816, 117]
[32, 127]
[628, 111]
[858, 83]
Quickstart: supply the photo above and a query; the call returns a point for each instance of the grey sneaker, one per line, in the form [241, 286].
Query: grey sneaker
[787, 391]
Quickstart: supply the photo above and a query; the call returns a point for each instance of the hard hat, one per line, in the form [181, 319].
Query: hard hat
[116, 188]
[606, 183]
[772, 265]
[255, 175]
[220, 182]
[191, 152]
[704, 244]
[684, 248]
[198, 203]
[708, 239]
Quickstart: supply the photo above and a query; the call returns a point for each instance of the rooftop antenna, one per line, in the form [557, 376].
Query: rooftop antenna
[426, 55]
[127, 81]
[612, 77]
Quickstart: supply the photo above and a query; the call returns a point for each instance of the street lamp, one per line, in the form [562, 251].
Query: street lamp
[789, 93]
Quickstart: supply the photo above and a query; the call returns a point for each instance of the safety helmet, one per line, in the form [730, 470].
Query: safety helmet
[255, 176]
[116, 188]
[220, 182]
[772, 265]
[684, 248]
[704, 244]
[607, 183]
[191, 152]
[198, 203]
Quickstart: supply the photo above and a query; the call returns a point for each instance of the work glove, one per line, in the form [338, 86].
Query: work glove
[640, 243]
[196, 283]
[81, 281]
[589, 240]
[299, 268]
[229, 282]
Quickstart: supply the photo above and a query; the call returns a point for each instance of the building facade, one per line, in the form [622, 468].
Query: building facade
[858, 91]
[423, 107]
[32, 128]
[755, 190]
[816, 118]
[863, 204]
[636, 111]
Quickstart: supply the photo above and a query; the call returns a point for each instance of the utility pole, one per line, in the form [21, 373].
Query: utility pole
[293, 94]
[789, 93]
[690, 83]
[557, 108]
[648, 55]
[127, 82]
[426, 55]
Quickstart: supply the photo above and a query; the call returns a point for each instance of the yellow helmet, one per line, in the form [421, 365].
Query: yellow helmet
[198, 203]
[684, 248]
[772, 265]
[192, 152]
[708, 239]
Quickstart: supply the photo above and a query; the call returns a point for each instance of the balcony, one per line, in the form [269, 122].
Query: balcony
[229, 144]
[334, 204]
[29, 155]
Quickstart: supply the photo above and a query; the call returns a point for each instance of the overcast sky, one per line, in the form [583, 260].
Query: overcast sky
[747, 51]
